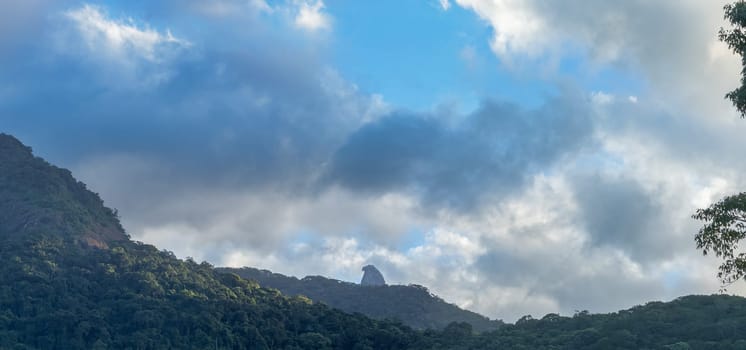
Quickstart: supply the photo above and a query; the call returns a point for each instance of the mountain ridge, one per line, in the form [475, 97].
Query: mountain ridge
[413, 305]
[70, 278]
[58, 290]
[37, 197]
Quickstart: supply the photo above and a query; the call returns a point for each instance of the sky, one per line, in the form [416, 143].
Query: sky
[514, 156]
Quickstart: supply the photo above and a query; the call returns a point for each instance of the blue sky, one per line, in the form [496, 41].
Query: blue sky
[515, 156]
[421, 56]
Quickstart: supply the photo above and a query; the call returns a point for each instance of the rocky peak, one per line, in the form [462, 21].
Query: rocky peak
[372, 277]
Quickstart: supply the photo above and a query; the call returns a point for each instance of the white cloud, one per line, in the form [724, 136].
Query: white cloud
[517, 29]
[122, 39]
[127, 55]
[601, 98]
[445, 4]
[657, 41]
[310, 15]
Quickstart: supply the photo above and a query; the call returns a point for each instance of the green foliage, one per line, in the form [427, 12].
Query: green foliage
[71, 279]
[37, 198]
[724, 221]
[66, 295]
[735, 13]
[725, 227]
[693, 322]
[413, 305]
[60, 290]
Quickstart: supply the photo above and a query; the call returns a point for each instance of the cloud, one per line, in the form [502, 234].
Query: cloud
[121, 39]
[601, 98]
[517, 28]
[656, 41]
[490, 152]
[310, 15]
[125, 53]
[444, 4]
[619, 213]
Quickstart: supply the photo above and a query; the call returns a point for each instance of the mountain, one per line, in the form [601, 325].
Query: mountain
[70, 278]
[413, 305]
[372, 277]
[38, 199]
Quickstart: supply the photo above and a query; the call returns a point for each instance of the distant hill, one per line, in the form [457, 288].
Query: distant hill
[413, 305]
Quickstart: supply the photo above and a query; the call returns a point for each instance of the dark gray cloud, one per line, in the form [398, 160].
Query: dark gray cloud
[244, 116]
[490, 152]
[620, 213]
[241, 115]
[232, 113]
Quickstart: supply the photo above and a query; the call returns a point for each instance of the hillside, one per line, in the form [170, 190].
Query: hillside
[413, 305]
[70, 278]
[38, 199]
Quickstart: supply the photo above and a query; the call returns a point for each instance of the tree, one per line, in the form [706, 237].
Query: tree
[725, 221]
[736, 39]
[725, 227]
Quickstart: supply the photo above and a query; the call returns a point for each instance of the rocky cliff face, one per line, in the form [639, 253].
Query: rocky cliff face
[372, 277]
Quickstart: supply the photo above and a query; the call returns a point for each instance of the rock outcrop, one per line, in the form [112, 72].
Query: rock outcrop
[413, 304]
[372, 277]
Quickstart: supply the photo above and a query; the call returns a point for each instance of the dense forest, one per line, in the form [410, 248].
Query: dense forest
[413, 305]
[72, 279]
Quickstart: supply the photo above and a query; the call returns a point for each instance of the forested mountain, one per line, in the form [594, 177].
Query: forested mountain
[413, 305]
[70, 278]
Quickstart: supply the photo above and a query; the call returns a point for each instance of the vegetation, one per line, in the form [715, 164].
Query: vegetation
[38, 199]
[735, 13]
[693, 322]
[725, 227]
[725, 221]
[413, 305]
[70, 278]
[61, 296]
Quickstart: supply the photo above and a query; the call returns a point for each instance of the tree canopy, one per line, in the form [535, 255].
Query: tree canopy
[725, 227]
[725, 221]
[735, 13]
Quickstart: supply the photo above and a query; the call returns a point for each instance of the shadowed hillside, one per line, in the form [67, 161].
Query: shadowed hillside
[38, 199]
[413, 305]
